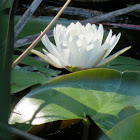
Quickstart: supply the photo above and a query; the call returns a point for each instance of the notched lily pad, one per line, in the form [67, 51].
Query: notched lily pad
[101, 93]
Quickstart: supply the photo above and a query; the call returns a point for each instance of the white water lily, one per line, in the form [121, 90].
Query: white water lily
[79, 46]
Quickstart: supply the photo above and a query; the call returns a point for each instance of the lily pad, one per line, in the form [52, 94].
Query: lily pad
[21, 79]
[128, 129]
[38, 65]
[123, 63]
[31, 73]
[5, 4]
[100, 93]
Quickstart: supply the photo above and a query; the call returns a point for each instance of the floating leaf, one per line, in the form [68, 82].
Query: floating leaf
[100, 93]
[128, 129]
[39, 65]
[122, 63]
[22, 79]
[5, 4]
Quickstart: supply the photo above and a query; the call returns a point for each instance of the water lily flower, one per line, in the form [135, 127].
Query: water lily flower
[79, 46]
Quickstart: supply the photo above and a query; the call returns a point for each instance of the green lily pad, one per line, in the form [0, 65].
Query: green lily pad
[7, 4]
[38, 65]
[128, 129]
[21, 79]
[25, 77]
[123, 63]
[100, 93]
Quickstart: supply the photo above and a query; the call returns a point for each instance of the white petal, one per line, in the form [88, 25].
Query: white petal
[101, 33]
[96, 46]
[100, 30]
[78, 24]
[112, 57]
[88, 27]
[60, 28]
[94, 28]
[59, 34]
[50, 46]
[46, 58]
[87, 55]
[74, 53]
[45, 51]
[55, 60]
[82, 59]
[70, 27]
[82, 42]
[65, 54]
[56, 36]
[58, 57]
[95, 60]
[83, 30]
[109, 36]
[112, 45]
